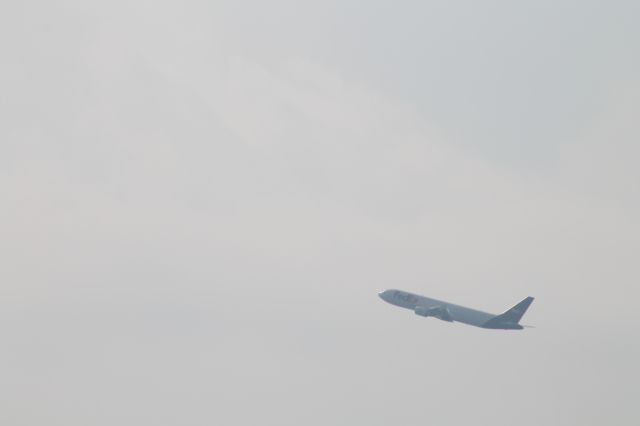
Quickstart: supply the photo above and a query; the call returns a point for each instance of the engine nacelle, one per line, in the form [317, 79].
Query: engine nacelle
[423, 311]
[440, 312]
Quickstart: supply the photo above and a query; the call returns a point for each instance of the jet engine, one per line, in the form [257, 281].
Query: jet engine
[423, 311]
[440, 312]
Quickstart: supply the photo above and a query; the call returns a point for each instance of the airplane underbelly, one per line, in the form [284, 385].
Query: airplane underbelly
[469, 316]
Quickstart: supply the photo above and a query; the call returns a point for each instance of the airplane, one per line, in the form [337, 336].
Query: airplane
[449, 312]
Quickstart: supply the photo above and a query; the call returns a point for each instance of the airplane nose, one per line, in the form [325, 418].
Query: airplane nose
[382, 295]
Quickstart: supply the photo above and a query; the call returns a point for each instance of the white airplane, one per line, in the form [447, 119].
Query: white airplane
[445, 311]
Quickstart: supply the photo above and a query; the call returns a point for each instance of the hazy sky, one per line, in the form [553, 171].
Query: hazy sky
[201, 199]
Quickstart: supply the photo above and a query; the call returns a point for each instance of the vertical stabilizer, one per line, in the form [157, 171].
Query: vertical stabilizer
[515, 314]
[510, 319]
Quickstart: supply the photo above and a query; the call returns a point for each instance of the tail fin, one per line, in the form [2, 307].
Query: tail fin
[515, 314]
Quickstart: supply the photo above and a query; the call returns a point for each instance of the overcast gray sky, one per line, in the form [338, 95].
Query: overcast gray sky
[201, 199]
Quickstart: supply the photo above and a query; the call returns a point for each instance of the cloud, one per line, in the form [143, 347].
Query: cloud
[195, 231]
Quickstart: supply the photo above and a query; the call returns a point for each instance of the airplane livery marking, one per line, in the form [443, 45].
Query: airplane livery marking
[405, 297]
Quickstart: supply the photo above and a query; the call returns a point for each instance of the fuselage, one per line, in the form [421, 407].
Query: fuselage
[454, 312]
